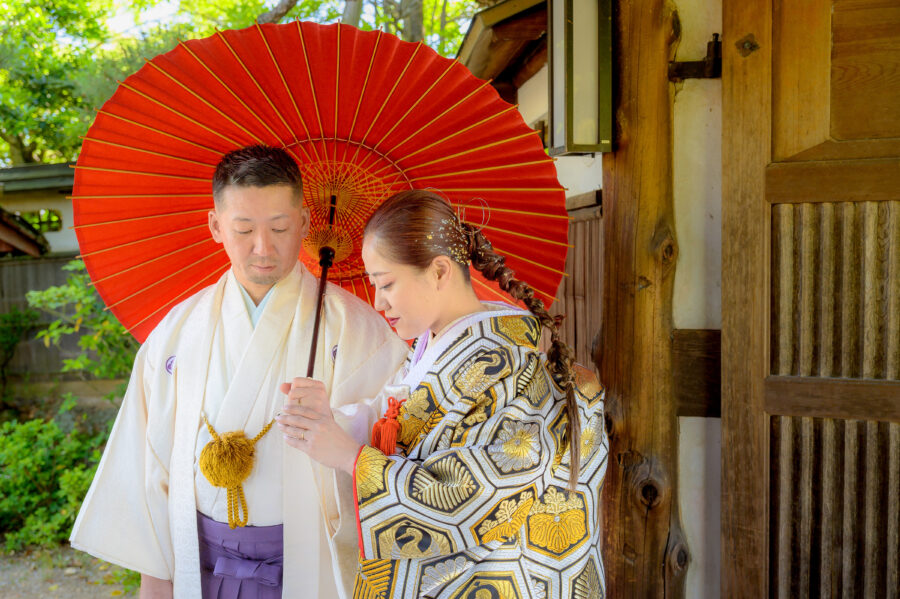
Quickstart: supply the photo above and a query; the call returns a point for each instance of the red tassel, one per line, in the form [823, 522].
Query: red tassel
[386, 430]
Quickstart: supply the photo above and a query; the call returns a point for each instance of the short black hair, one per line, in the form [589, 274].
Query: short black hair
[257, 166]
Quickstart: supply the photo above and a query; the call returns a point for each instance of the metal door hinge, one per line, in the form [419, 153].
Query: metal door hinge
[708, 68]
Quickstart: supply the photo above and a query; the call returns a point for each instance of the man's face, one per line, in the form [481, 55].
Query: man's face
[262, 231]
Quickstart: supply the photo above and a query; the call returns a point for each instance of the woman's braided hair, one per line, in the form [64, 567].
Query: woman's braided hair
[416, 226]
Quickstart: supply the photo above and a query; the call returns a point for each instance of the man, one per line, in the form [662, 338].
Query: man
[215, 365]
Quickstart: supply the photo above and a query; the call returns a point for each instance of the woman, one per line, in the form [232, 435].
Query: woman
[469, 491]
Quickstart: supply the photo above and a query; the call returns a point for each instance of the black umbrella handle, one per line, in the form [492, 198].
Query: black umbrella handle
[326, 260]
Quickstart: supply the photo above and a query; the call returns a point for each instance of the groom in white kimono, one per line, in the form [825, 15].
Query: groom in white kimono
[213, 365]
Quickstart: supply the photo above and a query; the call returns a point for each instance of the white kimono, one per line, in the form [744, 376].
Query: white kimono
[205, 355]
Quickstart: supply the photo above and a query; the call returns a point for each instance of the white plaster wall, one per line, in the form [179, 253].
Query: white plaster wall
[697, 195]
[578, 174]
[699, 496]
[697, 174]
[63, 241]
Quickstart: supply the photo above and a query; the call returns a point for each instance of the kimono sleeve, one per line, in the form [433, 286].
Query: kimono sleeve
[476, 491]
[124, 516]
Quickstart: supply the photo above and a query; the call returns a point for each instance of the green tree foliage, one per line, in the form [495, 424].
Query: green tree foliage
[44, 46]
[46, 474]
[59, 61]
[14, 328]
[108, 349]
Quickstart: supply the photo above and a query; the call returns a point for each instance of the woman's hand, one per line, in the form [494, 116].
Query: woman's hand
[307, 424]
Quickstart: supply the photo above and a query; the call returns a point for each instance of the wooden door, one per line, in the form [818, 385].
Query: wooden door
[811, 298]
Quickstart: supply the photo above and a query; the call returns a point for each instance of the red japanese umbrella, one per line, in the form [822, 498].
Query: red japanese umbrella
[364, 114]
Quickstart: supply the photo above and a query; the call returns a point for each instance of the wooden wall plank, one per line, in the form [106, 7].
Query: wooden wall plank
[746, 150]
[801, 36]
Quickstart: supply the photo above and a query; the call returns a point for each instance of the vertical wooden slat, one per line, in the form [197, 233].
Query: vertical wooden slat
[872, 533]
[783, 505]
[807, 267]
[827, 293]
[830, 510]
[851, 510]
[783, 239]
[892, 290]
[870, 289]
[892, 513]
[849, 291]
[807, 464]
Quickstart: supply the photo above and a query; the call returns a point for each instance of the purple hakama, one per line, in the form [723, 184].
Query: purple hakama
[243, 563]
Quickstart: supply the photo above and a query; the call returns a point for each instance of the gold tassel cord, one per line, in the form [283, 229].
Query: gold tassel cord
[226, 462]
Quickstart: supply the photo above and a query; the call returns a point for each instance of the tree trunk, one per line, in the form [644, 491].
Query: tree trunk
[19, 153]
[644, 548]
[413, 20]
[277, 13]
[352, 12]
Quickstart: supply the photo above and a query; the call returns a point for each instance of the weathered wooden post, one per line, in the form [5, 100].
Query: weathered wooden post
[644, 547]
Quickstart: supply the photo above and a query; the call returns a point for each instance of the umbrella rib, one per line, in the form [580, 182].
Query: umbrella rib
[525, 235]
[363, 92]
[491, 289]
[202, 99]
[473, 150]
[128, 220]
[182, 294]
[478, 170]
[146, 262]
[522, 212]
[312, 87]
[337, 82]
[368, 297]
[159, 131]
[459, 132]
[441, 115]
[387, 98]
[142, 240]
[127, 172]
[179, 113]
[151, 152]
[165, 278]
[231, 91]
[287, 91]
[532, 262]
[453, 63]
[139, 195]
[506, 299]
[484, 189]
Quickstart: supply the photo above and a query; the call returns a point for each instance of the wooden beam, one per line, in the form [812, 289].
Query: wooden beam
[533, 63]
[821, 397]
[644, 546]
[17, 240]
[868, 180]
[697, 372]
[746, 150]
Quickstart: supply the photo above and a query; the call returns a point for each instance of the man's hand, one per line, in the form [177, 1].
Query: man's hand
[307, 424]
[155, 588]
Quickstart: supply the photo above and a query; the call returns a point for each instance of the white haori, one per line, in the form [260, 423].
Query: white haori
[140, 511]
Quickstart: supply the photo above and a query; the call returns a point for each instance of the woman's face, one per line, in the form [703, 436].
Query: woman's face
[407, 295]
